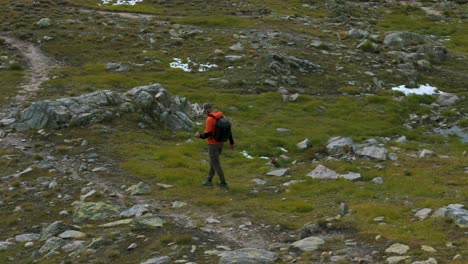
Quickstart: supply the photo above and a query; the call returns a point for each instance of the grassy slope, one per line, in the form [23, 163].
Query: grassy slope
[158, 156]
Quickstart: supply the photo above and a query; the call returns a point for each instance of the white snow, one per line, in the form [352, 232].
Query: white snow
[422, 89]
[121, 2]
[185, 66]
[245, 154]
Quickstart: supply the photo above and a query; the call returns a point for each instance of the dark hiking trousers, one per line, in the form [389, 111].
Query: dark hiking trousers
[215, 150]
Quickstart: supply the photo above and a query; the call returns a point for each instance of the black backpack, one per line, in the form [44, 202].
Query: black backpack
[222, 130]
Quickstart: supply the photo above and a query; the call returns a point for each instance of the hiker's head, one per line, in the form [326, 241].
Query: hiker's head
[207, 108]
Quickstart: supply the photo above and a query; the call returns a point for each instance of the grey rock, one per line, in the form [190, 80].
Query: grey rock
[140, 188]
[237, 47]
[53, 229]
[428, 261]
[447, 99]
[308, 230]
[423, 213]
[178, 204]
[322, 172]
[117, 223]
[303, 144]
[372, 152]
[136, 210]
[158, 260]
[27, 237]
[72, 234]
[248, 256]
[74, 246]
[337, 144]
[455, 212]
[397, 248]
[397, 259]
[117, 67]
[156, 105]
[51, 244]
[259, 181]
[425, 153]
[283, 66]
[279, 173]
[358, 33]
[308, 244]
[148, 222]
[378, 180]
[403, 40]
[6, 245]
[94, 211]
[43, 23]
[233, 58]
[99, 242]
[352, 176]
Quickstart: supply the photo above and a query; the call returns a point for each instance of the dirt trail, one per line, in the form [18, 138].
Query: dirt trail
[39, 67]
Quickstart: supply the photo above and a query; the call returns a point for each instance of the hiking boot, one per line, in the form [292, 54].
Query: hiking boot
[207, 183]
[224, 186]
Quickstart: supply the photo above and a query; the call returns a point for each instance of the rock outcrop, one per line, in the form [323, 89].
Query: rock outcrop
[155, 104]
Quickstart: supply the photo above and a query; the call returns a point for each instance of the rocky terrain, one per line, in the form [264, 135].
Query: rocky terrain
[100, 100]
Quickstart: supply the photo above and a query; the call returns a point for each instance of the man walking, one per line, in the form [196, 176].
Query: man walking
[215, 148]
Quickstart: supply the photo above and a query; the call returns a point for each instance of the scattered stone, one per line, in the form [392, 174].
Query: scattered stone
[344, 209]
[308, 244]
[401, 40]
[447, 99]
[428, 249]
[279, 173]
[99, 242]
[248, 256]
[397, 259]
[53, 229]
[148, 222]
[74, 246]
[136, 210]
[259, 181]
[397, 248]
[212, 220]
[165, 186]
[322, 172]
[237, 47]
[233, 58]
[457, 257]
[428, 261]
[89, 194]
[425, 153]
[423, 213]
[139, 189]
[158, 260]
[289, 183]
[378, 180]
[456, 212]
[379, 219]
[27, 237]
[290, 97]
[117, 67]
[19, 174]
[94, 211]
[117, 223]
[358, 33]
[29, 244]
[72, 234]
[303, 144]
[51, 244]
[43, 23]
[132, 246]
[373, 152]
[5, 245]
[178, 204]
[352, 176]
[338, 144]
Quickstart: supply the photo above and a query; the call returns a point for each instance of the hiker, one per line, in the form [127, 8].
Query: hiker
[214, 147]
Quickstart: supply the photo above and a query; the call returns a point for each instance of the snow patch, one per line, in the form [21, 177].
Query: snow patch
[121, 2]
[185, 66]
[421, 90]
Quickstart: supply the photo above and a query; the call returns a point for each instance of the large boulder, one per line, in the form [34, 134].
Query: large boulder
[338, 145]
[94, 211]
[402, 40]
[373, 152]
[157, 106]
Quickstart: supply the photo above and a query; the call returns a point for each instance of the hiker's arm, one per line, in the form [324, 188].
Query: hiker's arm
[205, 135]
[231, 140]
